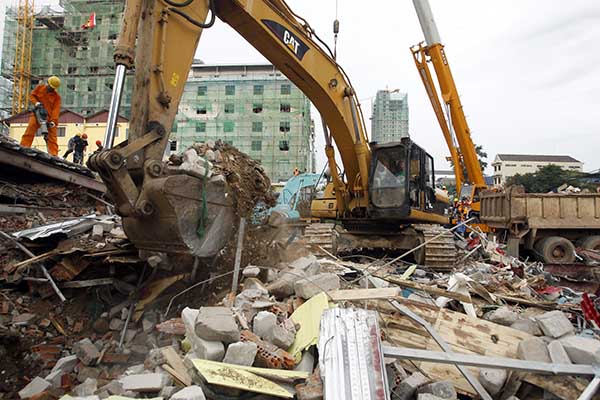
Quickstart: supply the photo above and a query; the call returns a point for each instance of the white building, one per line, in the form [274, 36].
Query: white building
[507, 165]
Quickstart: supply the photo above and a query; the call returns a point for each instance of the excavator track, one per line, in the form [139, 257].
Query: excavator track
[440, 253]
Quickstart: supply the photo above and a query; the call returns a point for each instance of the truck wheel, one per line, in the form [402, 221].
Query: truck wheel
[555, 250]
[591, 242]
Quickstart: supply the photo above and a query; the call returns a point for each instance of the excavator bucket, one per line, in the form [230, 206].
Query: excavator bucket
[189, 217]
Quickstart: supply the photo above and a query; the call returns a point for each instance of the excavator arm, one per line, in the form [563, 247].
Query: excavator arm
[159, 38]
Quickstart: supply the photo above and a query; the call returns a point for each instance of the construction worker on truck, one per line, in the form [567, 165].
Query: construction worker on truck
[45, 96]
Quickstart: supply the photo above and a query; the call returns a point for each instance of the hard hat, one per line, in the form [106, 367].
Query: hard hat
[444, 187]
[54, 82]
[98, 143]
[78, 134]
[456, 199]
[84, 136]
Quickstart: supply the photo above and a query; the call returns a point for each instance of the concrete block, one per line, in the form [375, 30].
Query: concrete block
[441, 389]
[86, 352]
[87, 388]
[527, 325]
[283, 284]
[263, 324]
[55, 378]
[241, 353]
[502, 316]
[312, 285]
[558, 354]
[36, 386]
[251, 271]
[97, 232]
[533, 349]
[428, 396]
[408, 387]
[113, 387]
[308, 264]
[284, 334]
[492, 379]
[206, 349]
[146, 382]
[217, 324]
[65, 364]
[555, 324]
[582, 350]
[189, 393]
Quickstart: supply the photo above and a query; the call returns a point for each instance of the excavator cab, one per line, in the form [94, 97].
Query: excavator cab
[402, 179]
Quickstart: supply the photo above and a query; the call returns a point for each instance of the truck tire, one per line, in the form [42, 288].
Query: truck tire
[591, 242]
[555, 250]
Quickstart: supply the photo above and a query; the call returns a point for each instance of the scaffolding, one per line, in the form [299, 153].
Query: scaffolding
[22, 57]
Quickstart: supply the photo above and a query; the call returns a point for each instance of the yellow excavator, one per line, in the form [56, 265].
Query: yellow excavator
[381, 195]
[450, 116]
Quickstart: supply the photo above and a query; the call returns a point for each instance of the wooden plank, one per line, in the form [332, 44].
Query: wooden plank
[565, 387]
[177, 364]
[40, 257]
[87, 283]
[364, 294]
[179, 379]
[426, 288]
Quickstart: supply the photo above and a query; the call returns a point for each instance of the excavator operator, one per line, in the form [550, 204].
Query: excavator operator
[47, 97]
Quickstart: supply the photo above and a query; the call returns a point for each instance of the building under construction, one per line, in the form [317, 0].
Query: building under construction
[389, 121]
[76, 43]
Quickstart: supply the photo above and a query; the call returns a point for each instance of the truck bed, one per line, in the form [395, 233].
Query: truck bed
[514, 208]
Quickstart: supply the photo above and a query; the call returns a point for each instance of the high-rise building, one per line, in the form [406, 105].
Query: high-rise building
[82, 56]
[389, 119]
[253, 107]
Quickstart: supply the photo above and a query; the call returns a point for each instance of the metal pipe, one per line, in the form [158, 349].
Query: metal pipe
[591, 389]
[238, 256]
[428, 25]
[115, 104]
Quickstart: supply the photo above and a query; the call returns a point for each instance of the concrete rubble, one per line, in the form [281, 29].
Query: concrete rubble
[127, 333]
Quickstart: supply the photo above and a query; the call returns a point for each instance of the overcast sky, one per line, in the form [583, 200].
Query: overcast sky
[526, 69]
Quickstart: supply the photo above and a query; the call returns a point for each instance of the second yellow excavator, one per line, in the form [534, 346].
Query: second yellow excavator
[381, 195]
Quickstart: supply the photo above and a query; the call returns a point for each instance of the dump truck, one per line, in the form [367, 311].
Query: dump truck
[550, 225]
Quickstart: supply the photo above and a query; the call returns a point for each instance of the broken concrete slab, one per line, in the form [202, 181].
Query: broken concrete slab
[492, 379]
[145, 382]
[206, 349]
[527, 325]
[86, 351]
[555, 324]
[581, 350]
[558, 354]
[283, 284]
[441, 389]
[86, 372]
[65, 364]
[55, 378]
[263, 324]
[312, 285]
[284, 334]
[533, 349]
[189, 393]
[113, 387]
[408, 387]
[87, 388]
[308, 264]
[217, 324]
[241, 353]
[33, 388]
[116, 324]
[502, 315]
[251, 271]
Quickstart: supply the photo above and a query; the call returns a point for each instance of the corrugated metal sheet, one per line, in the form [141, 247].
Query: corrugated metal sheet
[350, 356]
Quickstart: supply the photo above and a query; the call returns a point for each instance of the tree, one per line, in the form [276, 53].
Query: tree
[481, 155]
[547, 179]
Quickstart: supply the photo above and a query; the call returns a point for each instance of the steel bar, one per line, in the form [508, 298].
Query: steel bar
[591, 389]
[41, 266]
[473, 360]
[238, 256]
[447, 349]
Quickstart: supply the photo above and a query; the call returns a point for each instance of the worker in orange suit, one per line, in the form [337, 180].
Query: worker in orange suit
[46, 96]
